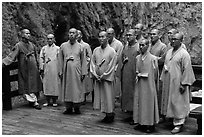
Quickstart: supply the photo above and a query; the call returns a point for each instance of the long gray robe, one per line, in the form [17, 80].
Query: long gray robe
[177, 70]
[72, 87]
[49, 63]
[147, 86]
[103, 90]
[118, 47]
[128, 76]
[88, 82]
[28, 75]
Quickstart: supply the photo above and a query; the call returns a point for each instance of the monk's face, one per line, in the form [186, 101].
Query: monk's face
[103, 37]
[79, 36]
[154, 36]
[130, 36]
[171, 33]
[72, 34]
[176, 40]
[143, 46]
[50, 39]
[138, 29]
[26, 34]
[110, 35]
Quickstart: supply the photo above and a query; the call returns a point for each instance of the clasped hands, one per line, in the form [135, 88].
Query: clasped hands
[71, 58]
[182, 89]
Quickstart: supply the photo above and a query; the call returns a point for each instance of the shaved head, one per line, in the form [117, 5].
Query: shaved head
[156, 31]
[79, 32]
[178, 36]
[25, 34]
[132, 31]
[50, 36]
[73, 30]
[24, 30]
[173, 31]
[139, 26]
[103, 33]
[110, 30]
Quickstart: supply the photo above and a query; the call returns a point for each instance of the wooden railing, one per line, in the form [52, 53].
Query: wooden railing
[7, 78]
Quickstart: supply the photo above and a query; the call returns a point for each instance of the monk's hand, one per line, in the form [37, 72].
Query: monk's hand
[60, 75]
[82, 77]
[98, 78]
[41, 73]
[182, 89]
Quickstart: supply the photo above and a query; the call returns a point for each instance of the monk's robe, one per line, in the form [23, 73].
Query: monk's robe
[103, 64]
[88, 82]
[177, 70]
[118, 47]
[73, 65]
[129, 53]
[49, 63]
[147, 86]
[28, 75]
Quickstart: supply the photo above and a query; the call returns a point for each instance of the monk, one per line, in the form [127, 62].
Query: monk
[102, 69]
[139, 32]
[118, 47]
[177, 77]
[170, 33]
[29, 82]
[128, 59]
[158, 49]
[145, 109]
[49, 71]
[73, 68]
[88, 82]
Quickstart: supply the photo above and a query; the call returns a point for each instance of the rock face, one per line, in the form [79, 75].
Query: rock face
[91, 17]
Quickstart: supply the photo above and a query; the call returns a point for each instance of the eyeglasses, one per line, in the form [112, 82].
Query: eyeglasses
[153, 34]
[174, 39]
[129, 35]
[142, 45]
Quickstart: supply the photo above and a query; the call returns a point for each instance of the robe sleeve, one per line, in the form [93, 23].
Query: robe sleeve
[187, 77]
[119, 52]
[120, 65]
[88, 56]
[60, 61]
[156, 73]
[84, 70]
[162, 55]
[42, 58]
[93, 65]
[110, 72]
[12, 56]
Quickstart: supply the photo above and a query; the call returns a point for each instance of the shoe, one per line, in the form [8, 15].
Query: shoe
[132, 123]
[162, 120]
[177, 129]
[104, 119]
[109, 119]
[45, 105]
[54, 105]
[37, 107]
[137, 127]
[150, 129]
[68, 111]
[77, 111]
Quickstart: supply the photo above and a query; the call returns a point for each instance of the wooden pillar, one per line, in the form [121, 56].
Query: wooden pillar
[6, 89]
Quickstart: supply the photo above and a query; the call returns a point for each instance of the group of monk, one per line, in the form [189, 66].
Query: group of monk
[151, 79]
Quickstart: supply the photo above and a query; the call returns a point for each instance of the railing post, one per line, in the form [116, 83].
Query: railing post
[6, 89]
